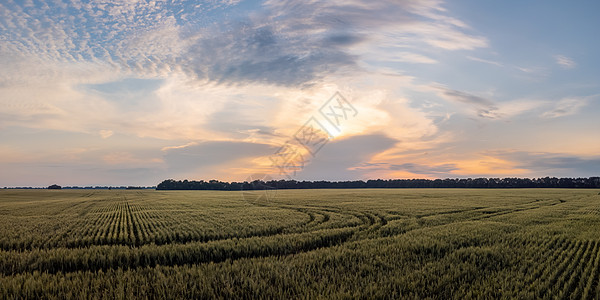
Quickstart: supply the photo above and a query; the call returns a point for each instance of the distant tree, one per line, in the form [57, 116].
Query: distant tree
[547, 182]
[55, 187]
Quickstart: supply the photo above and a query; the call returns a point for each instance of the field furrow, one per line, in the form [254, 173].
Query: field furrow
[405, 244]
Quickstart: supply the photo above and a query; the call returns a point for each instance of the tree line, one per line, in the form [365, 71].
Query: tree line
[546, 182]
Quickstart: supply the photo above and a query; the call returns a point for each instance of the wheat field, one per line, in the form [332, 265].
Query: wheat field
[307, 244]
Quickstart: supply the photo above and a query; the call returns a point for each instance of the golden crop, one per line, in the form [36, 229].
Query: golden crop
[361, 243]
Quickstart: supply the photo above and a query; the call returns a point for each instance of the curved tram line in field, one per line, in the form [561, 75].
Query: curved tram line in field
[126, 232]
[123, 223]
[124, 235]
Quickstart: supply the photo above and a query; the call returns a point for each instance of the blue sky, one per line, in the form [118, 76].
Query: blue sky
[134, 92]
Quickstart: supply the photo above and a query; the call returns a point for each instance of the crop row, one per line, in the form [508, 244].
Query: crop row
[112, 257]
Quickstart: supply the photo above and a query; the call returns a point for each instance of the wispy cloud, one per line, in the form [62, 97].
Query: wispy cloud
[443, 169]
[215, 158]
[552, 164]
[338, 159]
[486, 108]
[463, 97]
[566, 107]
[105, 133]
[412, 58]
[129, 159]
[410, 169]
[486, 61]
[565, 62]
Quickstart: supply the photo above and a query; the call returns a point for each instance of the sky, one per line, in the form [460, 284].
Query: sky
[132, 92]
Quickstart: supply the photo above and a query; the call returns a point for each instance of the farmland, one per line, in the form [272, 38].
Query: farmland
[375, 243]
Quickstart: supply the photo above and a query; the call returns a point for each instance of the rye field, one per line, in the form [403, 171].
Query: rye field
[300, 244]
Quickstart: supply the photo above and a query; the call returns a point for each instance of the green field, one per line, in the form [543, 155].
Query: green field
[310, 244]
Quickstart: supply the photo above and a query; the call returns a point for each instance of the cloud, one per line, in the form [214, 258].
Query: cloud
[552, 164]
[486, 61]
[566, 107]
[338, 158]
[105, 133]
[412, 58]
[512, 108]
[136, 87]
[486, 108]
[248, 53]
[127, 158]
[202, 155]
[463, 97]
[425, 169]
[280, 42]
[565, 62]
[165, 149]
[241, 119]
[342, 39]
[162, 70]
[440, 170]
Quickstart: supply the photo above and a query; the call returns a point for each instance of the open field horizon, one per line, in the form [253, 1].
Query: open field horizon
[382, 243]
[108, 92]
[268, 99]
